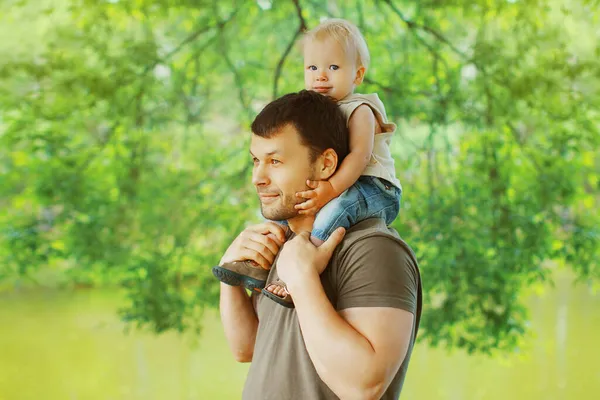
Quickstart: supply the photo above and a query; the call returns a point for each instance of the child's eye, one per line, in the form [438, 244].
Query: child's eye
[334, 67]
[273, 161]
[254, 160]
[312, 68]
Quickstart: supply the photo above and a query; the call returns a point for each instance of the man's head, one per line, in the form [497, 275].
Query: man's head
[297, 137]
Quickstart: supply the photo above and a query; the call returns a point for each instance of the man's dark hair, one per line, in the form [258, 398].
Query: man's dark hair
[318, 120]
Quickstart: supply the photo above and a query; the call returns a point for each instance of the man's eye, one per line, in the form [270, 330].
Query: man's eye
[334, 67]
[312, 68]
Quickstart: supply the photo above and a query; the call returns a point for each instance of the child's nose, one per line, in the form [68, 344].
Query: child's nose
[322, 76]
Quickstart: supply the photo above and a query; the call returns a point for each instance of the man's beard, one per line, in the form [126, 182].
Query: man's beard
[283, 211]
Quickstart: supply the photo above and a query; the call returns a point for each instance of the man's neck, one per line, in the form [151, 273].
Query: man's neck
[301, 223]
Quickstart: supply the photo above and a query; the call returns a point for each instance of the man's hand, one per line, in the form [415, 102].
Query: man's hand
[300, 259]
[258, 243]
[321, 193]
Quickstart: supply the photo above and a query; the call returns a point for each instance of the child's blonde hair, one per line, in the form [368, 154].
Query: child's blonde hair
[345, 33]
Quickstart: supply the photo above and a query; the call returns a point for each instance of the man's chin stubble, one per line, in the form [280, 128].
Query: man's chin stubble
[279, 215]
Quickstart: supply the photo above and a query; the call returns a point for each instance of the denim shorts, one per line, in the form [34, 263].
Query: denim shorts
[369, 197]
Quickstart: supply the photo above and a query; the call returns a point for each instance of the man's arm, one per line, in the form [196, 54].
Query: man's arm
[239, 321]
[356, 352]
[259, 243]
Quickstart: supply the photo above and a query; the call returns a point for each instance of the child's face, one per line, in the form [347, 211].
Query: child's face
[330, 70]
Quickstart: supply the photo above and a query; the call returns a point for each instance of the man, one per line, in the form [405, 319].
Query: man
[357, 305]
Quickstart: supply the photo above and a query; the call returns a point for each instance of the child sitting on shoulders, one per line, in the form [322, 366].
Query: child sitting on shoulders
[364, 186]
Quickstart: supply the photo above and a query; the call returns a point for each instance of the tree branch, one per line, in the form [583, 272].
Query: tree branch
[193, 36]
[392, 90]
[239, 82]
[414, 25]
[301, 29]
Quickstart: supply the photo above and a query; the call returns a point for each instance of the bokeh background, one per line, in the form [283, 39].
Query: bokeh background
[124, 174]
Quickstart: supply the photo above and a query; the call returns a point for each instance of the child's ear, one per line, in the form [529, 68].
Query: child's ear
[328, 163]
[360, 75]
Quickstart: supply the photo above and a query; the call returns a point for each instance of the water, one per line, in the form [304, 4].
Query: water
[65, 345]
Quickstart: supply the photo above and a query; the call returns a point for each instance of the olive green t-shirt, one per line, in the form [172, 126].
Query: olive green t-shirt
[372, 267]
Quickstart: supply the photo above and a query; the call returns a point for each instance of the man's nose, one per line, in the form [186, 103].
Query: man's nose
[259, 176]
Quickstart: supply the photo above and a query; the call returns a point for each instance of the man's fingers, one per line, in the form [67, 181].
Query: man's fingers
[304, 234]
[259, 243]
[262, 244]
[307, 194]
[270, 227]
[274, 239]
[242, 253]
[253, 255]
[334, 239]
[264, 251]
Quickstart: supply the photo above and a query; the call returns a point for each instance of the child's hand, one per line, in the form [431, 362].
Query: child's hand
[322, 193]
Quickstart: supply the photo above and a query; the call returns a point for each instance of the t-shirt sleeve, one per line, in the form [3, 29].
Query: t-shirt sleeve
[377, 272]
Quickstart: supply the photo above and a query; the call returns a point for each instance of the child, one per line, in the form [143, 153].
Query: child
[336, 58]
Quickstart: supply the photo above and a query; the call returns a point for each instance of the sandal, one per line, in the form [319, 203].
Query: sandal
[245, 273]
[286, 300]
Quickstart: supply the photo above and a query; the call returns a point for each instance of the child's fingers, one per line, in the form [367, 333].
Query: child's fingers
[312, 184]
[307, 194]
[305, 206]
[311, 211]
[304, 202]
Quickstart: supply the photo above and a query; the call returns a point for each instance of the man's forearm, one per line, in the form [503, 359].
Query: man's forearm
[343, 358]
[239, 321]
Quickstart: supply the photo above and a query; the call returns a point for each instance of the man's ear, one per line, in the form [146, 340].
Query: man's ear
[328, 163]
[360, 75]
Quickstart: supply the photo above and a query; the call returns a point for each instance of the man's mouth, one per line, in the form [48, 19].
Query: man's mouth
[267, 197]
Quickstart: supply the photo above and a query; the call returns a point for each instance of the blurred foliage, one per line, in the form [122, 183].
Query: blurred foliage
[124, 133]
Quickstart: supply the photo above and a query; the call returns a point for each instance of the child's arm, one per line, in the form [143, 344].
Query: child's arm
[362, 126]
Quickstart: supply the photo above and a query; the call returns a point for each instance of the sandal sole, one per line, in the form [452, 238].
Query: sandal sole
[234, 279]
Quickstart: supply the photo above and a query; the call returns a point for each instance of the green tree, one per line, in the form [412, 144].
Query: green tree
[124, 131]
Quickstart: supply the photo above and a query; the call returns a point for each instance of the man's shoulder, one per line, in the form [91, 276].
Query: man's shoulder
[373, 266]
[371, 229]
[371, 239]
[376, 225]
